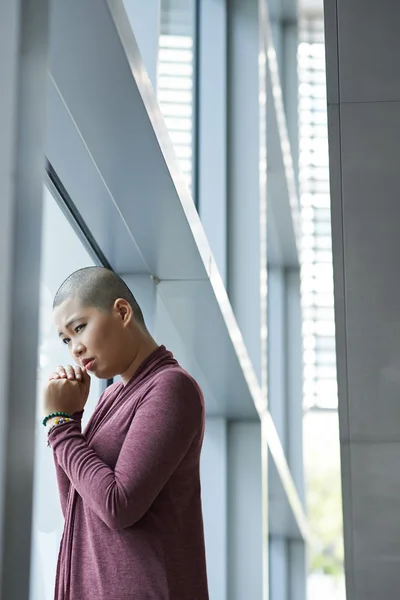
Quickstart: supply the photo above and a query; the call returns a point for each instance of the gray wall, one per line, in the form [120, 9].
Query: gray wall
[364, 135]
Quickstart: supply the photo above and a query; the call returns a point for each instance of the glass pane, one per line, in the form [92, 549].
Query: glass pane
[175, 82]
[62, 253]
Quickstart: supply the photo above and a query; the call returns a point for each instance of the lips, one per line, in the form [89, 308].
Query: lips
[87, 363]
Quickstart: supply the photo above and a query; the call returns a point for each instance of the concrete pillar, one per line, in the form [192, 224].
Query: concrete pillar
[277, 403]
[245, 509]
[297, 570]
[287, 560]
[246, 170]
[279, 583]
[294, 361]
[277, 368]
[212, 133]
[294, 378]
[214, 471]
[23, 73]
[362, 46]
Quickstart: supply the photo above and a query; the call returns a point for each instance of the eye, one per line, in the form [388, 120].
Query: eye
[66, 341]
[79, 328]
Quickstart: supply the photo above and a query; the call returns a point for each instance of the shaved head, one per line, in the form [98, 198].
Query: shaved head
[98, 287]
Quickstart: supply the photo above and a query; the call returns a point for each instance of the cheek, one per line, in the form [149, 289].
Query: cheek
[104, 342]
[95, 339]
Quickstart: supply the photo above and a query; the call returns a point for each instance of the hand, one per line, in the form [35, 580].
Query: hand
[67, 390]
[68, 372]
[73, 373]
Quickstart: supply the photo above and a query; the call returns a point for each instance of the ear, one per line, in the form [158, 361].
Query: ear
[123, 310]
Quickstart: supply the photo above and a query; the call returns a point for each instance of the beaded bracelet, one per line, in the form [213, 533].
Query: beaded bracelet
[56, 414]
[57, 422]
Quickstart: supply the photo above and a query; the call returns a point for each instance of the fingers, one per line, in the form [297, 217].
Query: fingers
[68, 372]
[78, 372]
[59, 373]
[85, 376]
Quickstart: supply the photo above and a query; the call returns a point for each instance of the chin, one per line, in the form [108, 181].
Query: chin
[104, 374]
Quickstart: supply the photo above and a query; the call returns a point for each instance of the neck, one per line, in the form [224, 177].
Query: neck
[146, 347]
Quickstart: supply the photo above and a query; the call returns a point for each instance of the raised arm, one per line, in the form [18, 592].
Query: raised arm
[168, 419]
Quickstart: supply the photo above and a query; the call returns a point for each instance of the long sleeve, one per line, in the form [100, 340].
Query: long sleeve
[63, 484]
[63, 481]
[166, 421]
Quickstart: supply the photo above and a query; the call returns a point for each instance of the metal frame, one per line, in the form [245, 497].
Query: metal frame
[73, 215]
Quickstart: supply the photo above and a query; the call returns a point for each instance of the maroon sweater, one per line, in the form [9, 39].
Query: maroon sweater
[130, 491]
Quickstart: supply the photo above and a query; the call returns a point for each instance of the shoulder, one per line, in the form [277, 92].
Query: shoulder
[175, 387]
[177, 379]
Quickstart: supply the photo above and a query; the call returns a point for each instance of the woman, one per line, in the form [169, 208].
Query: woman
[129, 483]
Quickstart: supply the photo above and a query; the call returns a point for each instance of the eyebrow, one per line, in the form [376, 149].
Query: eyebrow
[68, 325]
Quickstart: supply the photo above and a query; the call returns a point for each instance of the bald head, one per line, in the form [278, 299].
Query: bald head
[98, 287]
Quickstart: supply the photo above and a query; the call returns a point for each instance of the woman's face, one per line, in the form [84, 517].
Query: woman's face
[97, 340]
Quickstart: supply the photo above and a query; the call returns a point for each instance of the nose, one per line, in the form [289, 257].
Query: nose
[77, 349]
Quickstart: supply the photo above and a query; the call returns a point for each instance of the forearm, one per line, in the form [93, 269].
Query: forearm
[94, 480]
[63, 482]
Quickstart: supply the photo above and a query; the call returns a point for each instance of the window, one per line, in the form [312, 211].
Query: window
[320, 386]
[176, 78]
[62, 253]
[320, 424]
